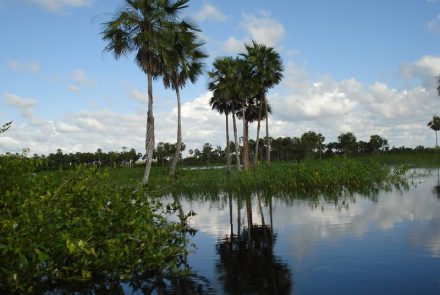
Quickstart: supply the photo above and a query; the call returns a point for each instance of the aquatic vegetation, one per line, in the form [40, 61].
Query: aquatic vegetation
[304, 177]
[78, 232]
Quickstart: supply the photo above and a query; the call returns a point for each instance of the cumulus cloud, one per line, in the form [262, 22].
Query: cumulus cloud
[234, 45]
[209, 12]
[426, 67]
[260, 27]
[263, 28]
[58, 5]
[299, 104]
[24, 66]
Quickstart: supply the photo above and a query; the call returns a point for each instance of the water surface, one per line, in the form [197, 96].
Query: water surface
[382, 243]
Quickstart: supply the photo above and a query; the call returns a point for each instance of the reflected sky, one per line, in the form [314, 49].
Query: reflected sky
[389, 242]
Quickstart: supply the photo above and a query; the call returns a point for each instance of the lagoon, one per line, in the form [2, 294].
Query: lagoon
[386, 242]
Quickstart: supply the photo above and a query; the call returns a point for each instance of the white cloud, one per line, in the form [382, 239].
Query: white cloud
[300, 104]
[25, 66]
[263, 28]
[58, 5]
[233, 45]
[81, 77]
[260, 27]
[426, 67]
[209, 12]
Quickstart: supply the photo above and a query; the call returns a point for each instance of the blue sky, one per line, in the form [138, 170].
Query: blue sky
[362, 66]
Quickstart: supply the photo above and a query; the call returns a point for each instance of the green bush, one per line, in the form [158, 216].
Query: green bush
[79, 232]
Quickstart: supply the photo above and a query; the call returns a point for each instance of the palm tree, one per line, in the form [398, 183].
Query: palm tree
[434, 124]
[266, 69]
[144, 27]
[183, 62]
[222, 79]
[222, 105]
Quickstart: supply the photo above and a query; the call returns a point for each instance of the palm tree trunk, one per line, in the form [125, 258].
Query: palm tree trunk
[179, 136]
[436, 143]
[234, 125]
[230, 216]
[245, 145]
[267, 137]
[149, 138]
[258, 129]
[228, 148]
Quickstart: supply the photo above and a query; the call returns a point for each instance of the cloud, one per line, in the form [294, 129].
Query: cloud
[263, 28]
[24, 105]
[137, 95]
[260, 27]
[233, 45]
[73, 88]
[426, 67]
[209, 12]
[26, 66]
[299, 104]
[80, 77]
[434, 25]
[59, 5]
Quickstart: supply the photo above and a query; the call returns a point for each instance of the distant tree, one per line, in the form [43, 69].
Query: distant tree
[313, 143]
[5, 127]
[348, 143]
[377, 143]
[434, 124]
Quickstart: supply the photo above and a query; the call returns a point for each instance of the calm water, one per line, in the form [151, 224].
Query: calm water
[387, 243]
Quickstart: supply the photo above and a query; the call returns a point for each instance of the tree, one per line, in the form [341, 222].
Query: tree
[348, 143]
[312, 142]
[5, 127]
[221, 104]
[266, 71]
[183, 62]
[223, 83]
[434, 124]
[144, 26]
[376, 143]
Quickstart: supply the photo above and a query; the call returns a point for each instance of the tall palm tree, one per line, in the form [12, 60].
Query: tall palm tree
[434, 124]
[143, 27]
[222, 79]
[222, 105]
[183, 61]
[266, 69]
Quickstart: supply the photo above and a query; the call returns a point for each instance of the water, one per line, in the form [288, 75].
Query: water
[386, 243]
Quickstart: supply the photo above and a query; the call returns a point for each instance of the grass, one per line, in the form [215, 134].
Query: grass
[297, 178]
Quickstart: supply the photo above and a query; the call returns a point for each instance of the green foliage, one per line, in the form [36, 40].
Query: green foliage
[78, 232]
[336, 174]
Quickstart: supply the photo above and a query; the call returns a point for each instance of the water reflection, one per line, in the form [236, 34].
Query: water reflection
[366, 237]
[247, 264]
[436, 188]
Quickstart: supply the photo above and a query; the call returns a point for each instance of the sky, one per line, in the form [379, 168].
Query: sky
[361, 66]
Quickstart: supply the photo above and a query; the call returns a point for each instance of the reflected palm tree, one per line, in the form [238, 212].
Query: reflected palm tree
[436, 188]
[246, 262]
